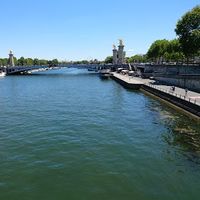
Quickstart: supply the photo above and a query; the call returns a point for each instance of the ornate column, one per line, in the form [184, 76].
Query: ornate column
[121, 53]
[11, 59]
[115, 59]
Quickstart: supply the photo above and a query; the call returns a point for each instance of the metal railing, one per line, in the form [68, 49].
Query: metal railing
[167, 90]
[173, 93]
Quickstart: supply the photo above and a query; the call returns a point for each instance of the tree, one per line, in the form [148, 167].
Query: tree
[84, 62]
[108, 59]
[137, 58]
[3, 61]
[165, 50]
[158, 49]
[43, 62]
[21, 61]
[29, 61]
[36, 61]
[188, 31]
[54, 62]
[95, 61]
[173, 51]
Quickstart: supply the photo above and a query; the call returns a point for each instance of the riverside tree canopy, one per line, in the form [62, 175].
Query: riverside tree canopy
[188, 31]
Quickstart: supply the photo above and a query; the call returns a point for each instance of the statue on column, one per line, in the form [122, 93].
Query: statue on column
[11, 59]
[121, 42]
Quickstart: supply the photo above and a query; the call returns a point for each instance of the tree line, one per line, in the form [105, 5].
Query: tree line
[187, 45]
[184, 48]
[29, 62]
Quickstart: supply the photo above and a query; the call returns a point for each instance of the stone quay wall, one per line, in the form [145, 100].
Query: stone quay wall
[184, 76]
[125, 84]
[176, 101]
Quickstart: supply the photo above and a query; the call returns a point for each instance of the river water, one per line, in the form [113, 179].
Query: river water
[67, 134]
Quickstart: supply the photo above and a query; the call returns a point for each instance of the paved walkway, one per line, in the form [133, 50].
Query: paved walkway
[190, 96]
[129, 79]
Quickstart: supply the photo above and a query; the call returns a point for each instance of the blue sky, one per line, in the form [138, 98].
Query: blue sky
[86, 29]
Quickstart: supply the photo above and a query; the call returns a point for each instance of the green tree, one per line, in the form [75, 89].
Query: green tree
[29, 61]
[158, 49]
[84, 62]
[49, 62]
[137, 58]
[21, 61]
[3, 61]
[36, 61]
[95, 61]
[188, 31]
[55, 62]
[43, 62]
[173, 51]
[108, 59]
[81, 62]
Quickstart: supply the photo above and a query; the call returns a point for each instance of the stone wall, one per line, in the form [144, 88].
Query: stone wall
[172, 69]
[179, 75]
[181, 103]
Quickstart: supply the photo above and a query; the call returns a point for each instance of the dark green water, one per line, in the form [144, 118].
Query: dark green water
[69, 135]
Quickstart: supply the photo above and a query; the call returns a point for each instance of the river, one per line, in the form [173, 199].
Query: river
[67, 134]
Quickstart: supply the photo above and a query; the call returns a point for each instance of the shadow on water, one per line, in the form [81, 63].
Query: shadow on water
[59, 73]
[183, 133]
[104, 79]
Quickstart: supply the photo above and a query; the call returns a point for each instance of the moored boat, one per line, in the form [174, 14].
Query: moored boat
[90, 69]
[105, 73]
[2, 73]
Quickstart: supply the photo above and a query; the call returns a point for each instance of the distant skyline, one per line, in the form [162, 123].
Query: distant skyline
[86, 29]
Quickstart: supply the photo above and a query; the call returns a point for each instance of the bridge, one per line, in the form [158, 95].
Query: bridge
[26, 69]
[11, 69]
[20, 70]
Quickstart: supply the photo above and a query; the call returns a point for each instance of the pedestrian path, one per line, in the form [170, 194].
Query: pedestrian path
[128, 79]
[187, 95]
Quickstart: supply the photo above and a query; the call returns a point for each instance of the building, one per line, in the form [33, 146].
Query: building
[119, 55]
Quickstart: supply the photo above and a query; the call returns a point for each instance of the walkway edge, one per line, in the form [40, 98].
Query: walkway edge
[181, 104]
[134, 86]
[185, 105]
[172, 105]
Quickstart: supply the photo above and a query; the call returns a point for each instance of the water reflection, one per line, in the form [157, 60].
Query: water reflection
[183, 133]
[81, 132]
[188, 137]
[62, 72]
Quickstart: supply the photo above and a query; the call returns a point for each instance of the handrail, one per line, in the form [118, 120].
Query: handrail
[170, 92]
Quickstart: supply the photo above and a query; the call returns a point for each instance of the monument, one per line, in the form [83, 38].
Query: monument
[11, 59]
[119, 55]
[115, 55]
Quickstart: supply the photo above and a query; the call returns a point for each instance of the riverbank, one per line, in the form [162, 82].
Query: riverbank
[188, 102]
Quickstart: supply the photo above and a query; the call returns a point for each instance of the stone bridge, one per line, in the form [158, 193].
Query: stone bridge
[28, 69]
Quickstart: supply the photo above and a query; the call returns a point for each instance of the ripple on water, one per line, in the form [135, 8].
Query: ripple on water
[68, 134]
